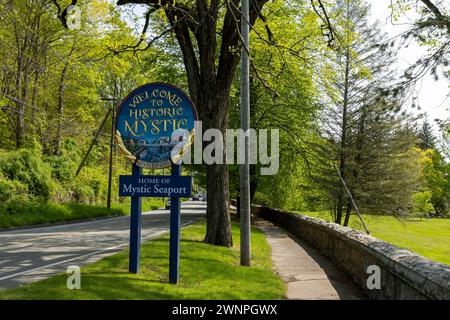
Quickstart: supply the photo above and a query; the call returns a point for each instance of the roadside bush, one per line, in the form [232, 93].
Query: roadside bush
[65, 165]
[88, 187]
[25, 167]
[11, 189]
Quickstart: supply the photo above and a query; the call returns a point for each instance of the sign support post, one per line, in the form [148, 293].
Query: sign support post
[135, 228]
[175, 224]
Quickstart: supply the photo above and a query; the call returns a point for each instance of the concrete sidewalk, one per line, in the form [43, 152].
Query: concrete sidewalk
[308, 275]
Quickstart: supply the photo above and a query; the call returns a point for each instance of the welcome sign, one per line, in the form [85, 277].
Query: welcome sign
[154, 129]
[155, 125]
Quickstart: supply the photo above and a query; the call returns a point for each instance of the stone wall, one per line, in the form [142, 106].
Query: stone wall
[404, 275]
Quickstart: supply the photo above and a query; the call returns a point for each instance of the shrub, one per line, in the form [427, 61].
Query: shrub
[89, 186]
[422, 202]
[65, 165]
[11, 189]
[27, 167]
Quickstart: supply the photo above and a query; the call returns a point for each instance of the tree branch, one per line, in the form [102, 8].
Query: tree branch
[442, 19]
[62, 14]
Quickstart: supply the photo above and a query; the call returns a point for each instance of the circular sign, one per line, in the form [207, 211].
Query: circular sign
[155, 125]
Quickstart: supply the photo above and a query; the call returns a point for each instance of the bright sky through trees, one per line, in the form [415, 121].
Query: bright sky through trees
[433, 97]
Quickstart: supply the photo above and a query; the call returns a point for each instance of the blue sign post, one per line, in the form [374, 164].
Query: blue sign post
[135, 228]
[154, 129]
[175, 225]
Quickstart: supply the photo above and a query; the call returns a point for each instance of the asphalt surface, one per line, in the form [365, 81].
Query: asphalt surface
[29, 255]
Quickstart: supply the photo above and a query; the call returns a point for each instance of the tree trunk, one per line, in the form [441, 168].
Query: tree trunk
[218, 225]
[218, 231]
[343, 146]
[39, 49]
[340, 208]
[20, 124]
[34, 100]
[348, 212]
[359, 146]
[61, 108]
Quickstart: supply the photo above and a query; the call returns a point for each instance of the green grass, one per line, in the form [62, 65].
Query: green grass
[39, 213]
[148, 204]
[427, 237]
[29, 214]
[206, 272]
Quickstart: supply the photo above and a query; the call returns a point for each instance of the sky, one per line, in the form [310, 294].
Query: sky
[432, 95]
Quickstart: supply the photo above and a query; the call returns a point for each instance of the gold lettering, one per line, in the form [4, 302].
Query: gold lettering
[155, 129]
[145, 125]
[134, 114]
[133, 129]
[178, 101]
[182, 124]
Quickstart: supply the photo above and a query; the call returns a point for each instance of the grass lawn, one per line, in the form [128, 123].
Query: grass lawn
[148, 204]
[28, 214]
[428, 237]
[206, 272]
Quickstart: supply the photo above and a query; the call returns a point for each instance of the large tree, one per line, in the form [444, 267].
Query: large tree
[359, 67]
[209, 39]
[362, 130]
[207, 32]
[427, 140]
[208, 35]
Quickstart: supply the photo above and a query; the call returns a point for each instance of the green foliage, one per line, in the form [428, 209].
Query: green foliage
[89, 186]
[296, 81]
[422, 202]
[283, 97]
[12, 189]
[427, 140]
[26, 170]
[65, 164]
[436, 172]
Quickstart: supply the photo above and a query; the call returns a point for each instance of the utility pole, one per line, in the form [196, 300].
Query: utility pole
[111, 153]
[245, 126]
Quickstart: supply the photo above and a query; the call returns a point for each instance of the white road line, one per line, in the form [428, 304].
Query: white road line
[88, 254]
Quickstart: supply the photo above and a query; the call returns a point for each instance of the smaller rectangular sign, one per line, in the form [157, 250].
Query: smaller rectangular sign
[155, 186]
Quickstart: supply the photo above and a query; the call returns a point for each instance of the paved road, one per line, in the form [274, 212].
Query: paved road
[32, 254]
